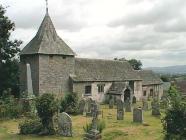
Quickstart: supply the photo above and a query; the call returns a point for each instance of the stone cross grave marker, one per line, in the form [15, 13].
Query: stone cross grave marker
[65, 125]
[94, 134]
[120, 110]
[138, 115]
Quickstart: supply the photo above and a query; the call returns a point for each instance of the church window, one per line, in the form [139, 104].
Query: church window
[88, 90]
[101, 88]
[144, 93]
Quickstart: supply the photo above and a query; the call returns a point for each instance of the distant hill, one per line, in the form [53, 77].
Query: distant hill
[180, 69]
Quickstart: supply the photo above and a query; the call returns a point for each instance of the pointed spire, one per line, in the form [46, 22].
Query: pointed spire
[46, 40]
[46, 6]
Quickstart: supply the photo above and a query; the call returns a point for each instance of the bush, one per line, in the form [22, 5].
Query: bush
[31, 126]
[69, 104]
[10, 108]
[174, 122]
[100, 126]
[46, 106]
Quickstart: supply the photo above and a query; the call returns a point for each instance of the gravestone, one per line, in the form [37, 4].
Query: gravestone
[94, 134]
[90, 107]
[111, 103]
[134, 100]
[89, 103]
[155, 107]
[120, 110]
[138, 115]
[81, 106]
[145, 105]
[128, 106]
[65, 125]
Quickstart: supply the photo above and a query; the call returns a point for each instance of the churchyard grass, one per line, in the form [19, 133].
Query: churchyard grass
[115, 129]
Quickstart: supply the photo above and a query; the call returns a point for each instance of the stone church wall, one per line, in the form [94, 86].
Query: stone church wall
[54, 72]
[79, 88]
[157, 90]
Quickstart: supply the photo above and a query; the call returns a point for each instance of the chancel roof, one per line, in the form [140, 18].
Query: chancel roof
[149, 77]
[103, 70]
[47, 41]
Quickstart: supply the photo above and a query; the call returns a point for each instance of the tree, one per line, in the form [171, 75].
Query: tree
[136, 64]
[174, 121]
[8, 52]
[46, 108]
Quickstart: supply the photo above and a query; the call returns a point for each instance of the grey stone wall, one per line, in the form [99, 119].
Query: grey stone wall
[79, 88]
[54, 71]
[157, 90]
[33, 60]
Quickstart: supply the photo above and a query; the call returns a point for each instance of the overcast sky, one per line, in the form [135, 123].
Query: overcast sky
[153, 31]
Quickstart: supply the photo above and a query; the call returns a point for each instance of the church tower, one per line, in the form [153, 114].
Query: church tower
[51, 60]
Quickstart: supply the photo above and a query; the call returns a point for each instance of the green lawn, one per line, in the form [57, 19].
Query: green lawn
[115, 130]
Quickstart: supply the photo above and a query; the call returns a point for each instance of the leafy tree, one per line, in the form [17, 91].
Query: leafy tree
[46, 107]
[174, 122]
[136, 64]
[165, 78]
[8, 52]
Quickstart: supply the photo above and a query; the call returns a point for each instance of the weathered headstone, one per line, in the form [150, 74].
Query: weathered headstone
[94, 134]
[111, 103]
[134, 100]
[81, 106]
[155, 107]
[120, 110]
[138, 115]
[65, 125]
[90, 107]
[145, 105]
[128, 106]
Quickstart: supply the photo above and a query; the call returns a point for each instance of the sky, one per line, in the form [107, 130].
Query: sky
[153, 31]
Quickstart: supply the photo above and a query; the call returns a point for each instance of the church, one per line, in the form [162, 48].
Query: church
[55, 69]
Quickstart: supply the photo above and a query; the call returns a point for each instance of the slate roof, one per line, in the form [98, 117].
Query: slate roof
[103, 70]
[149, 77]
[47, 41]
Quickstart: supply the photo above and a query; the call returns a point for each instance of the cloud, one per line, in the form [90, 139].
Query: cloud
[153, 31]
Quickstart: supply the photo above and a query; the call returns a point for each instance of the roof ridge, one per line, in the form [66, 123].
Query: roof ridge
[99, 59]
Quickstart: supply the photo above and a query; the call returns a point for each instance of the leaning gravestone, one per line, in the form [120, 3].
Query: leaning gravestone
[65, 125]
[128, 106]
[111, 103]
[145, 105]
[120, 110]
[81, 106]
[155, 107]
[138, 115]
